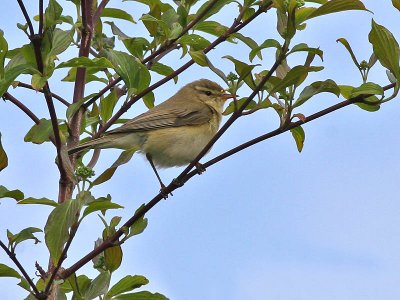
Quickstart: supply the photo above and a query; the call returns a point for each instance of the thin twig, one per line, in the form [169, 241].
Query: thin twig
[55, 96]
[26, 16]
[21, 106]
[13, 257]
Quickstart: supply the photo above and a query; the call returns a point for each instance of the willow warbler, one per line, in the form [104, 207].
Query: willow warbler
[172, 133]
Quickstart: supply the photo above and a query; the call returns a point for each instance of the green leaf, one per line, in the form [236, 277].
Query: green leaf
[266, 44]
[246, 40]
[40, 133]
[214, 9]
[386, 48]
[107, 105]
[38, 81]
[346, 44]
[3, 157]
[211, 27]
[136, 46]
[315, 88]
[126, 284]
[396, 3]
[74, 107]
[71, 76]
[6, 271]
[107, 174]
[40, 201]
[113, 258]
[334, 6]
[3, 53]
[84, 62]
[60, 42]
[244, 71]
[133, 72]
[299, 137]
[52, 14]
[163, 70]
[195, 41]
[14, 194]
[148, 100]
[368, 88]
[57, 227]
[100, 205]
[11, 73]
[369, 107]
[231, 107]
[144, 295]
[79, 285]
[199, 58]
[23, 235]
[294, 77]
[117, 14]
[98, 286]
[24, 284]
[139, 226]
[302, 47]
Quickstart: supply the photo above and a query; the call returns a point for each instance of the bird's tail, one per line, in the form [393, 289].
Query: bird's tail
[92, 144]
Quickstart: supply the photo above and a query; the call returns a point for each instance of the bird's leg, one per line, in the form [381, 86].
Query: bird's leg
[200, 168]
[162, 189]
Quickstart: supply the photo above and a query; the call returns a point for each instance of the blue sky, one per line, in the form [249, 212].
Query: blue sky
[267, 223]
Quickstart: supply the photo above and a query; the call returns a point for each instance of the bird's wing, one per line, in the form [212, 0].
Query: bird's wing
[162, 117]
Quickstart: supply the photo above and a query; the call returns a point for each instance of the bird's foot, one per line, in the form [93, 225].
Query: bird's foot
[200, 168]
[164, 192]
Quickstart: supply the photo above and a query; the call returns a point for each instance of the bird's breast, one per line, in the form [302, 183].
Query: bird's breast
[179, 146]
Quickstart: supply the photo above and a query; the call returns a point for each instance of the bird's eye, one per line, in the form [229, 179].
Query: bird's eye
[208, 93]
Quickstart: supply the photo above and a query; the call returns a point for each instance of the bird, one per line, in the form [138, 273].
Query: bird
[172, 133]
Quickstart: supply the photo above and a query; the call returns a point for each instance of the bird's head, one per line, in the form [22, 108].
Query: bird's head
[208, 92]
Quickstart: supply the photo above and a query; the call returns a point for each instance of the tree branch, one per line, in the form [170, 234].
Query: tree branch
[13, 257]
[99, 11]
[21, 106]
[26, 16]
[41, 17]
[55, 96]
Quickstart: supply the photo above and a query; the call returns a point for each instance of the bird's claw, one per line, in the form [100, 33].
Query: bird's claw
[200, 168]
[164, 192]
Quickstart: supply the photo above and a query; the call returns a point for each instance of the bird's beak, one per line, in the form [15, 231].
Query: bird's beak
[226, 96]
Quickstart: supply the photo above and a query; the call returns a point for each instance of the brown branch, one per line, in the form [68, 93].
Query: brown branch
[13, 257]
[26, 16]
[36, 40]
[22, 107]
[99, 11]
[55, 96]
[41, 17]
